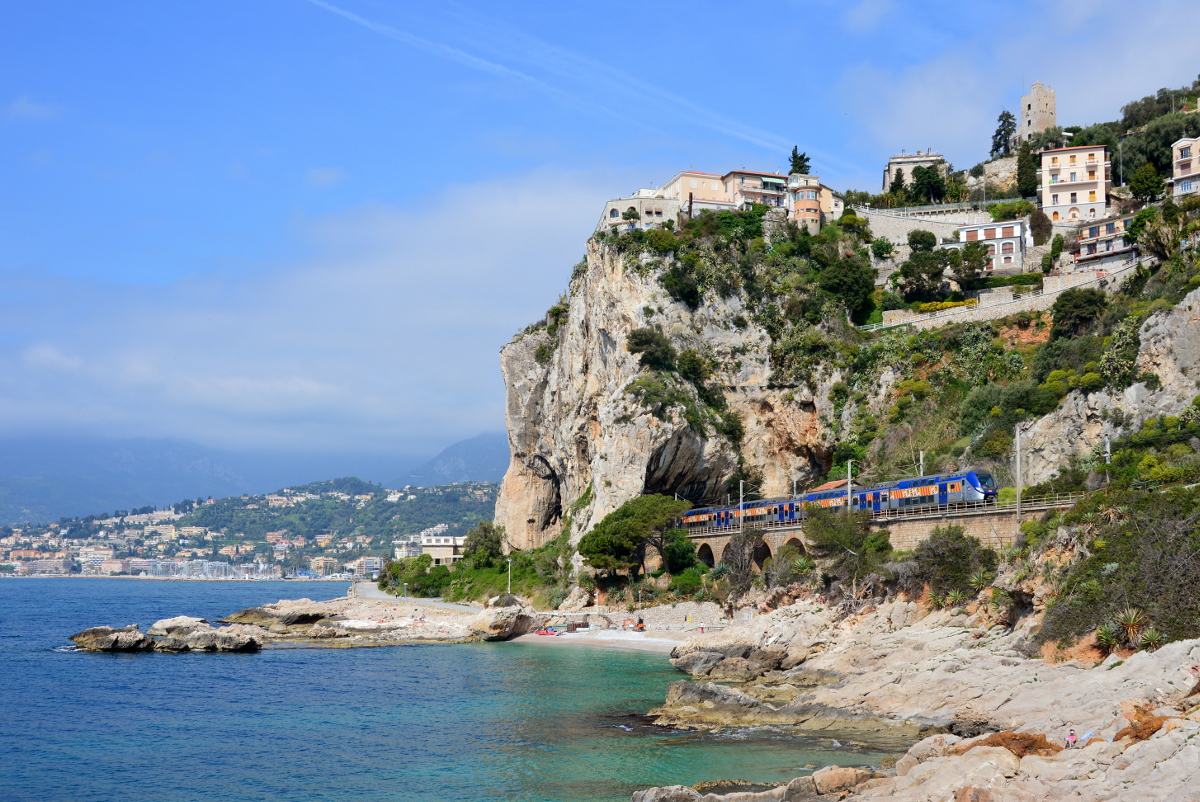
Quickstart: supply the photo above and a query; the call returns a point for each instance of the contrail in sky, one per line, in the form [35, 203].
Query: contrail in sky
[464, 58]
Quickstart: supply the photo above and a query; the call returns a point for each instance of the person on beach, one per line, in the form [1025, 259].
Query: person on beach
[1071, 739]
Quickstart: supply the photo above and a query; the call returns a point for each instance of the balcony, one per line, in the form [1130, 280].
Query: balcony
[763, 190]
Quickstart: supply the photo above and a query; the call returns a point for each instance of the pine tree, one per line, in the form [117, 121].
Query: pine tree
[897, 185]
[1146, 184]
[1026, 172]
[800, 162]
[1006, 126]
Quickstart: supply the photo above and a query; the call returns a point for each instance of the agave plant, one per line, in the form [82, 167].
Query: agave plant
[937, 601]
[957, 597]
[1108, 636]
[1000, 599]
[1131, 622]
[1151, 639]
[980, 580]
[803, 565]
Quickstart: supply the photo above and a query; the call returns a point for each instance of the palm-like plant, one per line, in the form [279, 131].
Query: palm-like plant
[957, 597]
[937, 601]
[1132, 622]
[1108, 637]
[804, 565]
[1152, 639]
[1000, 599]
[980, 580]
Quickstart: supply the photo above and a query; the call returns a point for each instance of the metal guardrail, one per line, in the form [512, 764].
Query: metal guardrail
[1056, 501]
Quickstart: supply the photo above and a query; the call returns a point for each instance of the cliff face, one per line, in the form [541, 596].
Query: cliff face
[1170, 349]
[582, 445]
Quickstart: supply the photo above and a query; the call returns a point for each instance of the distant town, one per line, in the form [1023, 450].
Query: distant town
[339, 529]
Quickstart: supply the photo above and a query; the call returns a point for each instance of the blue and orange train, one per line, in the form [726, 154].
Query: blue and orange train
[940, 490]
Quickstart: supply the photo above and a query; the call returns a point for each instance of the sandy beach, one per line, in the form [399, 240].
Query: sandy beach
[651, 641]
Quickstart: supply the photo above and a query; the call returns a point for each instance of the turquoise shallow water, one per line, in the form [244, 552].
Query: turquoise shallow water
[471, 722]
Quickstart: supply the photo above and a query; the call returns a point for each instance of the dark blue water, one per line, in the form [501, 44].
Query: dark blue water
[470, 722]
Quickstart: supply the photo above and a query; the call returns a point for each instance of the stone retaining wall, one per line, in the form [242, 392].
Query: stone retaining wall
[1052, 286]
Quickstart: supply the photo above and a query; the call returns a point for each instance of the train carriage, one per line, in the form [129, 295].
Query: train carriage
[939, 490]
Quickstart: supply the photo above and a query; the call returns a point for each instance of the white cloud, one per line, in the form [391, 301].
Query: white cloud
[950, 100]
[866, 16]
[44, 355]
[385, 339]
[322, 177]
[25, 109]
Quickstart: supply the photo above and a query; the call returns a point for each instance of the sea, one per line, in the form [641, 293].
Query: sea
[480, 722]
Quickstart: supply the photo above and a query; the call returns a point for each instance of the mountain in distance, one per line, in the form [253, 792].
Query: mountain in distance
[43, 479]
[483, 458]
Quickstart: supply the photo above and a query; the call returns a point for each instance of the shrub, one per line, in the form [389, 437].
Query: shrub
[1056, 246]
[938, 306]
[919, 240]
[891, 301]
[1047, 263]
[948, 558]
[1041, 227]
[882, 247]
[1075, 310]
[1010, 210]
[660, 241]
[544, 352]
[686, 583]
[655, 349]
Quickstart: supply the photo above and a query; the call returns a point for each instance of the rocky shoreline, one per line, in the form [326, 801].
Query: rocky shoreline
[339, 623]
[988, 720]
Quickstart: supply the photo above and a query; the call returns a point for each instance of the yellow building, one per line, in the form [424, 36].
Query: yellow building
[1074, 183]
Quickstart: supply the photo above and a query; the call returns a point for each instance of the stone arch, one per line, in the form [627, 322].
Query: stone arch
[1073, 214]
[797, 543]
[614, 213]
[761, 554]
[705, 555]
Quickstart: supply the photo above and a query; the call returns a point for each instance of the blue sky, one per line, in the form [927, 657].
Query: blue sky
[299, 226]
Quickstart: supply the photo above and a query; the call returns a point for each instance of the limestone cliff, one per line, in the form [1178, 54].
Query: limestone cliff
[582, 444]
[1170, 349]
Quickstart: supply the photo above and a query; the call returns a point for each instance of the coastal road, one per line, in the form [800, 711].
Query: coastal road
[369, 590]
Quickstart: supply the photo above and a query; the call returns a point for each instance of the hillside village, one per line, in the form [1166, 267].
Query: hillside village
[1079, 187]
[334, 529]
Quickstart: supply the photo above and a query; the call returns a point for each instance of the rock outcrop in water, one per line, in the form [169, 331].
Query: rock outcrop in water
[181, 634]
[577, 435]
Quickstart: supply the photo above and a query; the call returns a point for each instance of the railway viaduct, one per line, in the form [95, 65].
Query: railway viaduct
[995, 526]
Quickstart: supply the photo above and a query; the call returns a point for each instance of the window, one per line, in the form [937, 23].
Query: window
[1006, 248]
[1185, 186]
[973, 235]
[1092, 196]
[1008, 260]
[1072, 177]
[1185, 153]
[1054, 201]
[1074, 197]
[693, 183]
[1054, 161]
[812, 194]
[1094, 231]
[1072, 161]
[989, 233]
[1009, 231]
[991, 250]
[1055, 215]
[1092, 213]
[1091, 175]
[1185, 168]
[614, 213]
[1110, 228]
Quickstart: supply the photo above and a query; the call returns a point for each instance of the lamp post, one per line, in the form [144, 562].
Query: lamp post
[510, 576]
[849, 481]
[406, 590]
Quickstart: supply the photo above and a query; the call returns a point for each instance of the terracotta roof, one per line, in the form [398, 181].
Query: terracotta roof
[836, 483]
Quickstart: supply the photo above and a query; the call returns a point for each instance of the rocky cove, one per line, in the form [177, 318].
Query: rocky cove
[986, 720]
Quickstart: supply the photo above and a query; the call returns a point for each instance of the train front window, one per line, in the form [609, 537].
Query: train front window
[986, 481]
